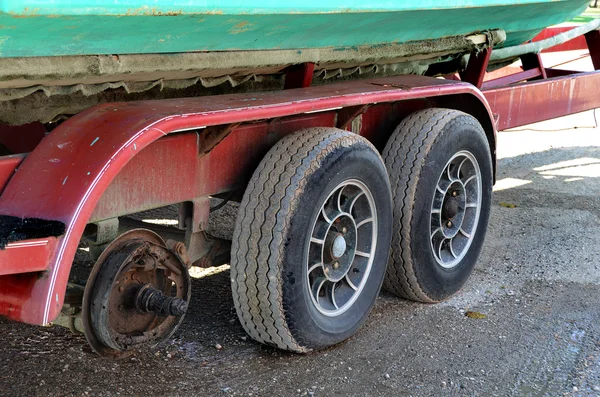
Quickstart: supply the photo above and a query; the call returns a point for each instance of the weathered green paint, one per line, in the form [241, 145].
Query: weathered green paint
[33, 28]
[230, 7]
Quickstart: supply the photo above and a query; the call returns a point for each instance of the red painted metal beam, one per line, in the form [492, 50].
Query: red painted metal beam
[545, 99]
[593, 42]
[511, 79]
[299, 76]
[8, 165]
[64, 178]
[551, 72]
[22, 138]
[533, 69]
[478, 63]
[502, 72]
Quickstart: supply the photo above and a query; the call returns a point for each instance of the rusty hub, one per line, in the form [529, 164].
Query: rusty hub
[151, 300]
[136, 295]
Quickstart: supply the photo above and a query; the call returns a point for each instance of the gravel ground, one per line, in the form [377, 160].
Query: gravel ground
[537, 283]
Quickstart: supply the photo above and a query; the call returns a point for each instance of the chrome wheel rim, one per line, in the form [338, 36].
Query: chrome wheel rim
[342, 247]
[455, 209]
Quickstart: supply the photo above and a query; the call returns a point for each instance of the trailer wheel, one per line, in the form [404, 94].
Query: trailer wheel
[311, 240]
[440, 171]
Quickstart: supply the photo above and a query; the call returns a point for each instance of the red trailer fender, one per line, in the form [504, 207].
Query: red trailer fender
[65, 176]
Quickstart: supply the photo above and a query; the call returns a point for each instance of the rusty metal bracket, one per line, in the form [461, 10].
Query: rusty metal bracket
[106, 231]
[193, 215]
[347, 115]
[204, 250]
[70, 314]
[212, 136]
[219, 253]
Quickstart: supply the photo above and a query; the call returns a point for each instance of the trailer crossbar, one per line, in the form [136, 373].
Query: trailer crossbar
[538, 93]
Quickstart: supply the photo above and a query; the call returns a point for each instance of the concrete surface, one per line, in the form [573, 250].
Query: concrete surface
[537, 282]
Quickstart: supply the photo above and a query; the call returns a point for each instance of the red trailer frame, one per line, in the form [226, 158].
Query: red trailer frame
[106, 161]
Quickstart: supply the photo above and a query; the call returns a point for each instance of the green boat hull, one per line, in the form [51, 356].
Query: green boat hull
[33, 29]
[58, 58]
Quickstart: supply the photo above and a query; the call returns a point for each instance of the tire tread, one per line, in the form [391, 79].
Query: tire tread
[404, 156]
[259, 240]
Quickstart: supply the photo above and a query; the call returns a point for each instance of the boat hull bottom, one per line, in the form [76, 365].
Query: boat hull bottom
[45, 89]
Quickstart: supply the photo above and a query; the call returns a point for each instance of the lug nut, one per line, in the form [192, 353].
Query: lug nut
[336, 265]
[454, 193]
[448, 224]
[344, 230]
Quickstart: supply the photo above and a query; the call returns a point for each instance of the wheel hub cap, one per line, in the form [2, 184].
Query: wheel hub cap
[338, 247]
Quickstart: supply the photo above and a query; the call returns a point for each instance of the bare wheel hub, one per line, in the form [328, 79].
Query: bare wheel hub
[151, 300]
[137, 294]
[453, 209]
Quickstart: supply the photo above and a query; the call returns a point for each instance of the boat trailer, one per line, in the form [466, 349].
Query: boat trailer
[116, 159]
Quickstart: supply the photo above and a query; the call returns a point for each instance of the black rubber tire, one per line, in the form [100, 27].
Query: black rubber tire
[273, 228]
[415, 156]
